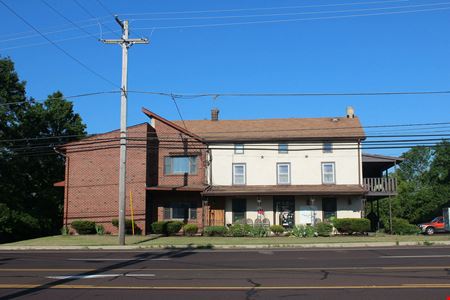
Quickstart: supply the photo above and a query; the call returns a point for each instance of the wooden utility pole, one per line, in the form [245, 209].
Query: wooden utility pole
[125, 43]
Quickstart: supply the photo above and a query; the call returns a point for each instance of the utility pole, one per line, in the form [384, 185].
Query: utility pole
[125, 43]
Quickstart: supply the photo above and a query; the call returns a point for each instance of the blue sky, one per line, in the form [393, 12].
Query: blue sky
[338, 51]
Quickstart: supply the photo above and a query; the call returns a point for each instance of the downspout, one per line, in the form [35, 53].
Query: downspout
[359, 161]
[66, 186]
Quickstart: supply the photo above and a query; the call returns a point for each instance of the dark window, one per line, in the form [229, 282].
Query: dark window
[238, 148]
[239, 207]
[329, 208]
[327, 147]
[181, 210]
[179, 165]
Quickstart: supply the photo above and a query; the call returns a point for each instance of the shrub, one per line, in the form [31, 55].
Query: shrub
[64, 230]
[128, 226]
[214, 231]
[303, 231]
[324, 229]
[352, 225]
[190, 229]
[238, 230]
[277, 229]
[402, 227]
[84, 226]
[100, 229]
[160, 227]
[258, 231]
[173, 227]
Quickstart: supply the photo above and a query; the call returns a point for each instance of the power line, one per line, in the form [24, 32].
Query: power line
[92, 16]
[261, 8]
[289, 14]
[57, 46]
[105, 8]
[292, 20]
[68, 20]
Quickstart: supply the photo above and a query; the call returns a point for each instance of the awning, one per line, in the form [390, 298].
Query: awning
[60, 184]
[319, 189]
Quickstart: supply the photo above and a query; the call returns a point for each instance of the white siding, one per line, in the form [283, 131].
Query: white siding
[306, 168]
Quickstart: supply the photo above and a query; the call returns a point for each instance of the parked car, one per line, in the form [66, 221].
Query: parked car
[435, 225]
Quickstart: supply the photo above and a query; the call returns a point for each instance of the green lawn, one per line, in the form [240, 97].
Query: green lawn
[96, 240]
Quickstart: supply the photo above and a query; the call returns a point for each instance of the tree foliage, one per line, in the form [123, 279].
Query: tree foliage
[424, 184]
[29, 131]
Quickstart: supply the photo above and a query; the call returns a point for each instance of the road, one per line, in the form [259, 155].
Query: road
[369, 273]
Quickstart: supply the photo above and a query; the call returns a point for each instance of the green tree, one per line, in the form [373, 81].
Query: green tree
[29, 166]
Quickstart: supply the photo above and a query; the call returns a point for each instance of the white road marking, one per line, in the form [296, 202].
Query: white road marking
[93, 276]
[414, 256]
[117, 259]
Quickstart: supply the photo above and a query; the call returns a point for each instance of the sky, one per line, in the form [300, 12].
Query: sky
[333, 46]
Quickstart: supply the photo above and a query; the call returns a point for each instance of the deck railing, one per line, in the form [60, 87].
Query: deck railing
[380, 185]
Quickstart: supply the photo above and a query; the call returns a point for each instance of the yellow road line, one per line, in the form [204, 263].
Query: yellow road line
[393, 268]
[66, 286]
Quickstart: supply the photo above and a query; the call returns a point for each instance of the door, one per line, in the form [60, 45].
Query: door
[239, 210]
[284, 211]
[329, 208]
[216, 215]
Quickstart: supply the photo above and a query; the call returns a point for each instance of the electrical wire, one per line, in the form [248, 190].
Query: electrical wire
[92, 16]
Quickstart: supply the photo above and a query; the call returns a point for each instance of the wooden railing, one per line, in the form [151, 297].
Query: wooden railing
[380, 185]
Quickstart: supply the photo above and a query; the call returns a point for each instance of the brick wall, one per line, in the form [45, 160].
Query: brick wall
[92, 176]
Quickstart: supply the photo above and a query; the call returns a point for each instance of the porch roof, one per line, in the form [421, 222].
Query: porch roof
[319, 189]
[190, 188]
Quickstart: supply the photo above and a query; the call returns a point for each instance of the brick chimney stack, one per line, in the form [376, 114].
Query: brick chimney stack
[215, 114]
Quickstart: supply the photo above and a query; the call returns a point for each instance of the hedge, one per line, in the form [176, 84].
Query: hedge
[128, 226]
[190, 229]
[324, 229]
[352, 225]
[214, 231]
[84, 227]
[402, 227]
[173, 227]
[277, 229]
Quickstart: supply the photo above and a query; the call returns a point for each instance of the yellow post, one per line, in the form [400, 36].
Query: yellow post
[132, 213]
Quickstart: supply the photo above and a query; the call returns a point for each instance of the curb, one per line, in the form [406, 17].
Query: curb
[212, 247]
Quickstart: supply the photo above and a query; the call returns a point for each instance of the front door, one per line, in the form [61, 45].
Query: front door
[284, 210]
[216, 215]
[329, 208]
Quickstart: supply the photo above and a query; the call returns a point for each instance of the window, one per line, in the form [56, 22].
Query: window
[329, 208]
[180, 210]
[238, 148]
[283, 173]
[238, 208]
[328, 172]
[327, 147]
[239, 174]
[179, 165]
[283, 148]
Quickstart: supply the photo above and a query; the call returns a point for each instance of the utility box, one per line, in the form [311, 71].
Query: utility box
[446, 214]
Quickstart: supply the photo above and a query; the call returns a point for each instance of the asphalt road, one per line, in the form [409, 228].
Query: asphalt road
[370, 273]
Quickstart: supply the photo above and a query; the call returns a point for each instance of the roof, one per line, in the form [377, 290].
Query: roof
[377, 158]
[319, 189]
[275, 129]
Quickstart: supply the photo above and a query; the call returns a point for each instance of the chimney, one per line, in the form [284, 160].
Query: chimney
[215, 114]
[350, 112]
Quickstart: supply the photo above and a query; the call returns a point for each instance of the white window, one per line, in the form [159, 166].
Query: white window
[238, 148]
[283, 173]
[178, 165]
[283, 148]
[328, 173]
[239, 174]
[327, 147]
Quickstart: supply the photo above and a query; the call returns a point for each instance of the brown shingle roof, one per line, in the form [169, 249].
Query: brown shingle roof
[319, 189]
[275, 129]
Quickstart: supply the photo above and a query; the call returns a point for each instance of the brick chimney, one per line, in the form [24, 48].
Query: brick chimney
[350, 112]
[215, 114]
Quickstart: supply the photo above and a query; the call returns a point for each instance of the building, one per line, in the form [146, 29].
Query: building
[218, 172]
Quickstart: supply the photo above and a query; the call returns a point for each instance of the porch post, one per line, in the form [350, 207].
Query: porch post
[378, 213]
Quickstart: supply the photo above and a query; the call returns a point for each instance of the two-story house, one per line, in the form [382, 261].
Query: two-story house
[218, 172]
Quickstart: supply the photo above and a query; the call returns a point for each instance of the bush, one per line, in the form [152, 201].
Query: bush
[100, 229]
[173, 227]
[128, 226]
[239, 230]
[214, 231]
[402, 227]
[277, 229]
[64, 230]
[352, 225]
[258, 231]
[190, 229]
[324, 229]
[84, 226]
[160, 227]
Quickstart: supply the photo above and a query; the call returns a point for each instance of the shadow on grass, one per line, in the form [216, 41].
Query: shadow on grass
[150, 238]
[139, 258]
[191, 247]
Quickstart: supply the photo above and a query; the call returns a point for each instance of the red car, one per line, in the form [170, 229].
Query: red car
[435, 225]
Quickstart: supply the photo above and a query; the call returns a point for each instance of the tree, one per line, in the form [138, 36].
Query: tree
[29, 166]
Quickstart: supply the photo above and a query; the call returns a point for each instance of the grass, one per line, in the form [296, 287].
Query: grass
[106, 240]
